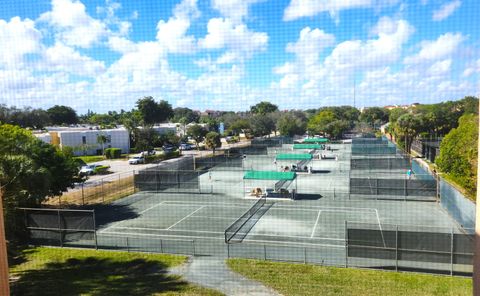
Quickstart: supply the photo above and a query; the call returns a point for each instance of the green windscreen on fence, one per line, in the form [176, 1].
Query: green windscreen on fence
[269, 175]
[315, 140]
[297, 156]
[306, 146]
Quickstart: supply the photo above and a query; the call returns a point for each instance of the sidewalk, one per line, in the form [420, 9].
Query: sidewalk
[212, 272]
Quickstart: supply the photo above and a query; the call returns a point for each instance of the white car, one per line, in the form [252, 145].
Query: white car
[88, 169]
[136, 159]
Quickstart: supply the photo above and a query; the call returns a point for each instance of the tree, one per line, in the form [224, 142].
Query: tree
[102, 139]
[185, 114]
[213, 141]
[146, 139]
[409, 126]
[60, 115]
[30, 172]
[458, 153]
[262, 125]
[197, 133]
[239, 126]
[318, 124]
[374, 116]
[263, 108]
[290, 125]
[153, 112]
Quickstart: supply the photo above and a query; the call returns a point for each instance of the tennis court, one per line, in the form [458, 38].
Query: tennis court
[212, 212]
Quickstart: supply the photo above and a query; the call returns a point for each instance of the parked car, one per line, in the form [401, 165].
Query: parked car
[186, 146]
[88, 169]
[138, 159]
[169, 148]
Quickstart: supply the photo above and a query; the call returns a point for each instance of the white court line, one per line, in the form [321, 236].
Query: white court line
[323, 210]
[326, 207]
[152, 207]
[381, 230]
[316, 223]
[186, 217]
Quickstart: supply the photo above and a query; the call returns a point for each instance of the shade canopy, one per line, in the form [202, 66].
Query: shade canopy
[306, 146]
[294, 156]
[315, 140]
[269, 175]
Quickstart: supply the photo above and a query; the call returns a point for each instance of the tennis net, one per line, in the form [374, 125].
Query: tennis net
[241, 223]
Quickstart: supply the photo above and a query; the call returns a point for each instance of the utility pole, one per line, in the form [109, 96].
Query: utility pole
[354, 82]
[4, 284]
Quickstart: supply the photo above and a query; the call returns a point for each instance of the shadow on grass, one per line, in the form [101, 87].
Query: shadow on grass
[94, 276]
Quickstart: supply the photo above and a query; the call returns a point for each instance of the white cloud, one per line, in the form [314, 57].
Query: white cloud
[307, 8]
[446, 10]
[65, 59]
[386, 49]
[471, 69]
[17, 38]
[72, 25]
[121, 44]
[173, 33]
[237, 39]
[440, 68]
[310, 44]
[444, 46]
[236, 10]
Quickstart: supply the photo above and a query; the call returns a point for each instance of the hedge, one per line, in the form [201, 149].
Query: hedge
[112, 153]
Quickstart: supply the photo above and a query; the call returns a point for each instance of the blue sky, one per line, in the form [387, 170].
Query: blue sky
[229, 54]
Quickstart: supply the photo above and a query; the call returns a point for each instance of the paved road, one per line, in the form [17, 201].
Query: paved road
[121, 168]
[212, 272]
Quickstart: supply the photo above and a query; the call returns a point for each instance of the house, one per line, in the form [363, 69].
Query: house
[84, 140]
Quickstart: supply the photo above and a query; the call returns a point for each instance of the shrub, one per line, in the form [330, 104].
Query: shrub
[101, 170]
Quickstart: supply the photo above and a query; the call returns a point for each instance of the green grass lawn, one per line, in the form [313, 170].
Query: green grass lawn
[300, 279]
[55, 271]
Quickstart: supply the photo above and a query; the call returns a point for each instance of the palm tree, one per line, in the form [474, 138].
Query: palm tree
[102, 139]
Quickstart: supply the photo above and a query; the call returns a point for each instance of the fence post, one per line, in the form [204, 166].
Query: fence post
[60, 228]
[451, 252]
[264, 252]
[128, 246]
[193, 245]
[103, 192]
[161, 246]
[304, 255]
[396, 248]
[405, 191]
[83, 195]
[95, 230]
[228, 251]
[346, 244]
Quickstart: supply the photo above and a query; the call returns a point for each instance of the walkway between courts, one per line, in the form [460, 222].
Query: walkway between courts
[213, 272]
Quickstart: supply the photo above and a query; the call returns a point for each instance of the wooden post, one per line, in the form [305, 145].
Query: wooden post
[476, 256]
[4, 284]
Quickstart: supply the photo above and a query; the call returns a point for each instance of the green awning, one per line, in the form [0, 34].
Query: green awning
[306, 146]
[269, 175]
[315, 140]
[298, 156]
